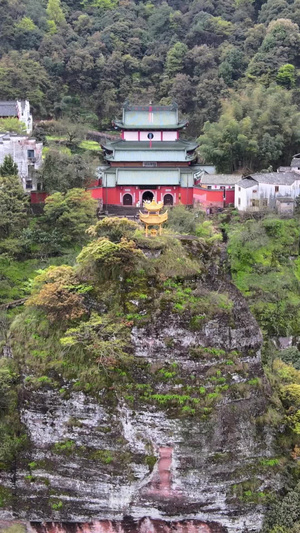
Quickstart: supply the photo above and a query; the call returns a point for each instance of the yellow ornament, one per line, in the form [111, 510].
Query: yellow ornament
[153, 217]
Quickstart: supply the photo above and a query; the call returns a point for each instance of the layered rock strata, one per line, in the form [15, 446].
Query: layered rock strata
[180, 451]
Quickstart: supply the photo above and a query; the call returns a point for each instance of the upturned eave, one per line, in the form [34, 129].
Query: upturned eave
[148, 127]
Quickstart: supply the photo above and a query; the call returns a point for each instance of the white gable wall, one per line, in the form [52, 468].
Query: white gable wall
[143, 135]
[17, 147]
[24, 114]
[131, 136]
[169, 135]
[264, 193]
[267, 190]
[296, 188]
[241, 197]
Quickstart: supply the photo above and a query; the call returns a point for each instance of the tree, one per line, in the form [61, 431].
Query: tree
[280, 45]
[55, 12]
[74, 132]
[258, 127]
[62, 172]
[101, 4]
[255, 37]
[113, 228]
[58, 293]
[232, 66]
[182, 91]
[275, 9]
[182, 220]
[286, 76]
[108, 260]
[21, 76]
[208, 94]
[12, 125]
[9, 167]
[101, 341]
[284, 513]
[282, 33]
[13, 206]
[28, 35]
[175, 58]
[71, 213]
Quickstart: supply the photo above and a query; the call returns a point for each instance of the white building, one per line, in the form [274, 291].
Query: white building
[260, 191]
[26, 153]
[19, 109]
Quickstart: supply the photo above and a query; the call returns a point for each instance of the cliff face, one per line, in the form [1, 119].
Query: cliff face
[171, 455]
[173, 442]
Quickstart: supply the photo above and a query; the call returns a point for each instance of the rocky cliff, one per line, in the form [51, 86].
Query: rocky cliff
[179, 447]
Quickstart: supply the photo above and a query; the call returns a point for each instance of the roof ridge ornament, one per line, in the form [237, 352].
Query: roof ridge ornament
[152, 206]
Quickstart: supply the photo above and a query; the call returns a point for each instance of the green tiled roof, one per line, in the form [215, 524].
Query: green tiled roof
[143, 125]
[150, 117]
[146, 145]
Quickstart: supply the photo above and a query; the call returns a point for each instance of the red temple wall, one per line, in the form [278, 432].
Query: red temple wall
[229, 197]
[114, 195]
[213, 197]
[186, 196]
[38, 197]
[207, 197]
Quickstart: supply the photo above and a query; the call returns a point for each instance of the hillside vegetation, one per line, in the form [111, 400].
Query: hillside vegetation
[87, 290]
[229, 62]
[264, 258]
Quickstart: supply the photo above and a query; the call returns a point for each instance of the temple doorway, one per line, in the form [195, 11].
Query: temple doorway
[127, 199]
[168, 199]
[147, 196]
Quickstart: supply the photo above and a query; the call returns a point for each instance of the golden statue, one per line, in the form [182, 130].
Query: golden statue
[153, 217]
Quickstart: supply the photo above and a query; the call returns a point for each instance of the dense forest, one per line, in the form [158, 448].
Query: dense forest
[231, 65]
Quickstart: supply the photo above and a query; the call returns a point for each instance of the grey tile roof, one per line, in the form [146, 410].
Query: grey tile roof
[246, 183]
[8, 109]
[295, 162]
[220, 179]
[276, 178]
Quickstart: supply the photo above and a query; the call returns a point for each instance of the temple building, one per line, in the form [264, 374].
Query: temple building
[148, 161]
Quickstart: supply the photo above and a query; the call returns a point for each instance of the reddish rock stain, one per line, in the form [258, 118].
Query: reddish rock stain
[128, 525]
[161, 483]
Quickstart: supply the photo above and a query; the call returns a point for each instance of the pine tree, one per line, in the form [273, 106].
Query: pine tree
[9, 167]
